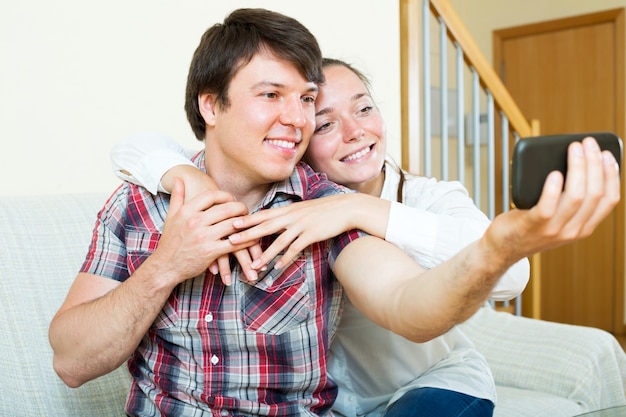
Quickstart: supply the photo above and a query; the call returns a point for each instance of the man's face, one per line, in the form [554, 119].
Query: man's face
[266, 128]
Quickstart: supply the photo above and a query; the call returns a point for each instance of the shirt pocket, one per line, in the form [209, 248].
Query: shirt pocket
[279, 301]
[139, 246]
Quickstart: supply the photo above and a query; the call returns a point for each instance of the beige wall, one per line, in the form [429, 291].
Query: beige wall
[77, 76]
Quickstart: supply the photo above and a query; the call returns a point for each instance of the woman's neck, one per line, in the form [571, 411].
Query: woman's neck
[372, 187]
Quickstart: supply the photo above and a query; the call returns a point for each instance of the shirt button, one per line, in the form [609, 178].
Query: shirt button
[214, 360]
[208, 318]
[224, 412]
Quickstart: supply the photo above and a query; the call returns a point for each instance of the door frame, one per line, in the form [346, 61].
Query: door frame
[616, 17]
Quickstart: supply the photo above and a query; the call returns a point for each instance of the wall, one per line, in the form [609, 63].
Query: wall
[77, 76]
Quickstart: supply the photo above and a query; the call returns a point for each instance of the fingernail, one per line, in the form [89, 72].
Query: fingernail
[255, 264]
[252, 275]
[214, 270]
[592, 145]
[234, 238]
[227, 280]
[578, 150]
[609, 159]
[238, 223]
[278, 265]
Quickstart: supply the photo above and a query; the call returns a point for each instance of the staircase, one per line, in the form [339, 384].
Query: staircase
[459, 122]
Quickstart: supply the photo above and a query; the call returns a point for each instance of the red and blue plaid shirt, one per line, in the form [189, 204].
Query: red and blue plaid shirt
[228, 351]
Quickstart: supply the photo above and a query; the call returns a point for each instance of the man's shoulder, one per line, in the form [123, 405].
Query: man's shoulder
[131, 204]
[315, 184]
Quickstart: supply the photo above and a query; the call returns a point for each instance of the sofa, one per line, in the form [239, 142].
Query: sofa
[540, 368]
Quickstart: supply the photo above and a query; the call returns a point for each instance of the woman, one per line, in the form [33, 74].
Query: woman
[378, 372]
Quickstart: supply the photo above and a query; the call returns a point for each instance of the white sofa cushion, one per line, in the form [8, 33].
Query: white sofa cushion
[44, 240]
[584, 365]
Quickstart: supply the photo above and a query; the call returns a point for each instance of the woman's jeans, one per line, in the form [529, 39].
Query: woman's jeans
[438, 402]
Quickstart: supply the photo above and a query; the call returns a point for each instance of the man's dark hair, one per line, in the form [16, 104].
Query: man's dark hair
[226, 47]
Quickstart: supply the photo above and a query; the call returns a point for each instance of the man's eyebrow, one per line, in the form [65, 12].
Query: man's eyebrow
[266, 83]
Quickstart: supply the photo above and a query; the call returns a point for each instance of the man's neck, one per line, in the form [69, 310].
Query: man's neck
[235, 182]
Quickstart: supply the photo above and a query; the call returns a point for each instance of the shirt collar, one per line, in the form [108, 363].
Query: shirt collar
[292, 188]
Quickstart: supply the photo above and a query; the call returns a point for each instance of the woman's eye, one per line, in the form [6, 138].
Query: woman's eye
[309, 99]
[366, 109]
[322, 127]
[270, 95]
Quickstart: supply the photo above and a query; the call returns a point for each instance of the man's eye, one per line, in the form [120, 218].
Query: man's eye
[309, 99]
[270, 95]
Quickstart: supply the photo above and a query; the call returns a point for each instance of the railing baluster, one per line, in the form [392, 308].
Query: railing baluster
[443, 75]
[460, 116]
[491, 158]
[476, 136]
[505, 162]
[496, 96]
[426, 87]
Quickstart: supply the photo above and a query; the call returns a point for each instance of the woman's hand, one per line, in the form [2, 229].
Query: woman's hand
[301, 224]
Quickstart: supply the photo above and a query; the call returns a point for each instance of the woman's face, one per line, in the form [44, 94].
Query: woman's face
[348, 143]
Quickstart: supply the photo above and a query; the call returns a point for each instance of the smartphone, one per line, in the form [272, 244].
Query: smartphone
[535, 157]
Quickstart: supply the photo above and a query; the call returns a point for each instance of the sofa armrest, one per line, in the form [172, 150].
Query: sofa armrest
[584, 364]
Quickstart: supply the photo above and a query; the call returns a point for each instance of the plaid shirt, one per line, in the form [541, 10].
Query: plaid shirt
[228, 351]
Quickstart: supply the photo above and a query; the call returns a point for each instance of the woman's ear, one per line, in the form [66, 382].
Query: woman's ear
[206, 104]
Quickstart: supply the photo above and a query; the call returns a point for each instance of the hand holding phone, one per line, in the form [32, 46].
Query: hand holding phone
[535, 157]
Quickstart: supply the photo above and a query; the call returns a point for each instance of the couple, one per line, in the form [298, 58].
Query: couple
[260, 345]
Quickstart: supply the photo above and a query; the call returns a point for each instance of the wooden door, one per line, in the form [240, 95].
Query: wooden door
[569, 74]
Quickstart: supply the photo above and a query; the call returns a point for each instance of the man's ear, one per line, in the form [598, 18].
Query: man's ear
[206, 104]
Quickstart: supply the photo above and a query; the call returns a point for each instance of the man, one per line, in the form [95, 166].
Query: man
[198, 347]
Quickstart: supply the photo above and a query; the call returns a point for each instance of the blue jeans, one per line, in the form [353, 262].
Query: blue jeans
[438, 402]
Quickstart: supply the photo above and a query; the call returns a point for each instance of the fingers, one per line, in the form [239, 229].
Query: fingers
[550, 195]
[209, 199]
[591, 191]
[223, 265]
[260, 224]
[586, 190]
[611, 193]
[284, 240]
[244, 259]
[255, 251]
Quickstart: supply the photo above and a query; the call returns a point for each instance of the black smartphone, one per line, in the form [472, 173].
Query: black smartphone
[535, 157]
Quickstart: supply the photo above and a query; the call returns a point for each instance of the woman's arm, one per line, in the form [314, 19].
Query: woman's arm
[437, 220]
[421, 305]
[303, 223]
[144, 158]
[440, 221]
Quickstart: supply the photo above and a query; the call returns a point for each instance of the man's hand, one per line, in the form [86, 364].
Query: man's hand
[197, 182]
[195, 231]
